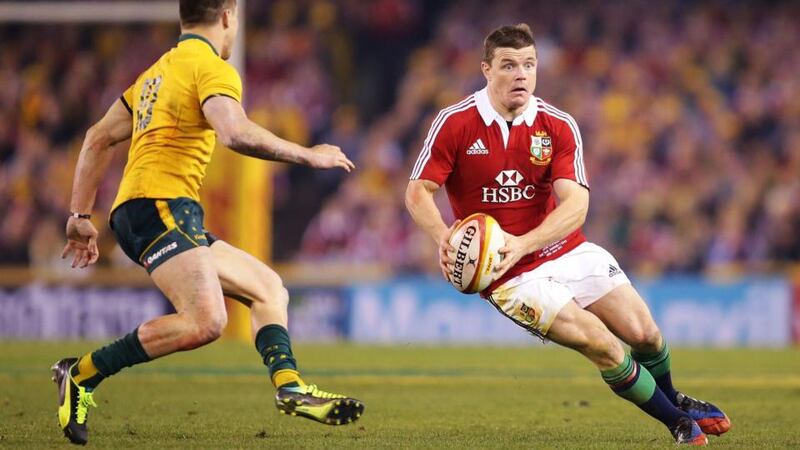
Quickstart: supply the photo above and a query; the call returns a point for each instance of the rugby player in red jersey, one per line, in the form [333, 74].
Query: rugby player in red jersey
[509, 154]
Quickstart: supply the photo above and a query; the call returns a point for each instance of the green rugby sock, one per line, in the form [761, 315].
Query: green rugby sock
[272, 342]
[658, 364]
[630, 382]
[104, 362]
[634, 383]
[85, 373]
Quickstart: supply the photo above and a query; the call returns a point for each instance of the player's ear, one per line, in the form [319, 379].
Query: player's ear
[226, 18]
[486, 69]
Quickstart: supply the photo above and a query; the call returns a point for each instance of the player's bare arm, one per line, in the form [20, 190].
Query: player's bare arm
[237, 132]
[93, 162]
[420, 204]
[568, 216]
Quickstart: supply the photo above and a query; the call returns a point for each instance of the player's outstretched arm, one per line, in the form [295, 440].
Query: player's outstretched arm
[568, 216]
[114, 127]
[240, 134]
[420, 204]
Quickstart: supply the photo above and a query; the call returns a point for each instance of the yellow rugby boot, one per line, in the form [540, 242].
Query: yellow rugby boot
[310, 402]
[73, 402]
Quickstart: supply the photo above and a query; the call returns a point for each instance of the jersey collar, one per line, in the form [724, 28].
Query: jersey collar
[187, 36]
[489, 114]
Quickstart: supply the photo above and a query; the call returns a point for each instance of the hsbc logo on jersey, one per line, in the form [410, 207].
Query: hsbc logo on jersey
[509, 190]
[508, 178]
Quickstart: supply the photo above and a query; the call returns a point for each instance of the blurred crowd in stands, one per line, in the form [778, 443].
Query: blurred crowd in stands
[690, 116]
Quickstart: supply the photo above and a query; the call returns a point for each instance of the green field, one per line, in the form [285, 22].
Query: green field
[416, 397]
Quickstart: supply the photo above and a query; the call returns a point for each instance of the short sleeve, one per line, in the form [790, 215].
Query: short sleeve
[568, 153]
[437, 158]
[218, 78]
[127, 99]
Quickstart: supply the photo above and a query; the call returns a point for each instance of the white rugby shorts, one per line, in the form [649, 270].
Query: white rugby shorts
[533, 299]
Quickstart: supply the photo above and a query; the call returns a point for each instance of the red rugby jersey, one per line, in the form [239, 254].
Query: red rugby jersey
[506, 173]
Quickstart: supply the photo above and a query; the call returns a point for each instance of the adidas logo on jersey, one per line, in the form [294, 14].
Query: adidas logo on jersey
[478, 148]
[612, 270]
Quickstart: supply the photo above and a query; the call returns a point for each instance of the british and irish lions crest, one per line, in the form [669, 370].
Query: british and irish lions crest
[541, 149]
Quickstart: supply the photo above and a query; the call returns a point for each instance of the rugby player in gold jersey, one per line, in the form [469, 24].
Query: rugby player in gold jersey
[173, 114]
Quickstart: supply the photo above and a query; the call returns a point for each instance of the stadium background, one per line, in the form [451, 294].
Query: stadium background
[691, 115]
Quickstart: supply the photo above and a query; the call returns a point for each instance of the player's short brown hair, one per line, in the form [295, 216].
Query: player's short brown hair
[515, 36]
[202, 12]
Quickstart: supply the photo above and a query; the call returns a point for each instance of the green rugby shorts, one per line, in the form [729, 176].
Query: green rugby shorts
[151, 231]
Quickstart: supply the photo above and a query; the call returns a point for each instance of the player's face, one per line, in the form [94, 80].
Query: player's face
[230, 19]
[511, 76]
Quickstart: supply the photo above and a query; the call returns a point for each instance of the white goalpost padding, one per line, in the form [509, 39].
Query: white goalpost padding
[82, 12]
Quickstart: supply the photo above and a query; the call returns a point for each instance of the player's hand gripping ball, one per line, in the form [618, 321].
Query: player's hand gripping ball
[476, 241]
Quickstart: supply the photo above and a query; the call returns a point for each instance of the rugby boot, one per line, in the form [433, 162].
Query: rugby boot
[710, 418]
[687, 432]
[310, 402]
[73, 402]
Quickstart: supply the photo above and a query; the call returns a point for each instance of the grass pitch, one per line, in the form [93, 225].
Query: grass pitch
[416, 397]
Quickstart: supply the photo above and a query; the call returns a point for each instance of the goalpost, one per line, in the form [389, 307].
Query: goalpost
[252, 182]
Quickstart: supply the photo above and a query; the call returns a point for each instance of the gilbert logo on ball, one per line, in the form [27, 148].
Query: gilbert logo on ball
[476, 240]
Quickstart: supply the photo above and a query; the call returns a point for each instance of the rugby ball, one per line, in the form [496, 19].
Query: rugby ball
[476, 241]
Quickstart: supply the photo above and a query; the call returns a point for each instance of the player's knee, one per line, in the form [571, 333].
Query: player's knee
[604, 349]
[272, 290]
[282, 296]
[216, 325]
[645, 339]
[206, 329]
[204, 334]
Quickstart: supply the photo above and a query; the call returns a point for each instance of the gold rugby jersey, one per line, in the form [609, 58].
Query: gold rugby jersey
[172, 142]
